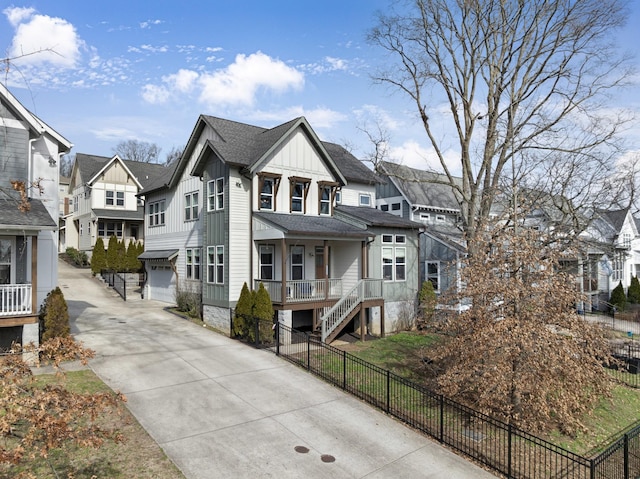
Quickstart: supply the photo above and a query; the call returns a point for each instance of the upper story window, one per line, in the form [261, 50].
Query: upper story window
[626, 240]
[395, 206]
[338, 197]
[114, 198]
[384, 207]
[394, 258]
[365, 200]
[215, 264]
[425, 216]
[191, 206]
[268, 185]
[156, 213]
[215, 194]
[440, 218]
[299, 188]
[326, 192]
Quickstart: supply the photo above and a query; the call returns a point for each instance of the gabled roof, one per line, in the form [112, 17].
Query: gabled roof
[615, 218]
[304, 225]
[120, 214]
[375, 217]
[424, 189]
[34, 123]
[37, 218]
[91, 166]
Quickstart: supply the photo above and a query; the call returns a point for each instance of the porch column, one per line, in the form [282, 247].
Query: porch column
[283, 286]
[326, 269]
[34, 274]
[363, 261]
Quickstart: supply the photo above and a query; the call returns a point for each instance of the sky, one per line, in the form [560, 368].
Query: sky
[106, 72]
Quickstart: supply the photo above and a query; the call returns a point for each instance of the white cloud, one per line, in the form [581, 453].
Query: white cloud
[183, 81]
[41, 38]
[413, 154]
[155, 94]
[149, 23]
[239, 83]
[328, 64]
[152, 49]
[371, 115]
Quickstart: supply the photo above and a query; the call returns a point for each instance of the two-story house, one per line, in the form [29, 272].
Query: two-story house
[104, 197]
[30, 153]
[277, 206]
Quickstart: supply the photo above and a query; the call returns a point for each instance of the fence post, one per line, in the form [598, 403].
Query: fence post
[388, 391]
[509, 447]
[626, 456]
[344, 370]
[308, 351]
[124, 286]
[441, 418]
[277, 338]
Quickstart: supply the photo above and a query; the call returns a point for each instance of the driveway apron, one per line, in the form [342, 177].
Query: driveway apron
[221, 409]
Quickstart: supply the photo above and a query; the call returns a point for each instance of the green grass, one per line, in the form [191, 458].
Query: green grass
[402, 354]
[138, 456]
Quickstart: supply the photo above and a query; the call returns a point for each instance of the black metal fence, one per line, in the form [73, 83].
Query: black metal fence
[116, 281]
[498, 445]
[627, 368]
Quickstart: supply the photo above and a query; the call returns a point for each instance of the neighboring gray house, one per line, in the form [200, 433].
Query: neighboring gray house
[423, 197]
[277, 206]
[30, 153]
[105, 201]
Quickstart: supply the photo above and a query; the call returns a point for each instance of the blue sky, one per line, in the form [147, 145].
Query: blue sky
[146, 70]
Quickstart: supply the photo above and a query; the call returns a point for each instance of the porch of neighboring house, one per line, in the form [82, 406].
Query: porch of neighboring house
[127, 226]
[322, 284]
[18, 298]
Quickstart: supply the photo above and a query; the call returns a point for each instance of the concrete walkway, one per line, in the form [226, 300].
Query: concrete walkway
[221, 409]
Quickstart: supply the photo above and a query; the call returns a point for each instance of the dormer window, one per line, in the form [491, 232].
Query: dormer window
[326, 193]
[268, 185]
[299, 188]
[365, 200]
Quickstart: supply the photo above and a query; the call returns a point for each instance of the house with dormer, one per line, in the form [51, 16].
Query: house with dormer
[278, 206]
[104, 200]
[30, 153]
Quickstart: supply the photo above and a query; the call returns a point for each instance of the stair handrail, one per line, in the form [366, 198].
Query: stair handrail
[336, 314]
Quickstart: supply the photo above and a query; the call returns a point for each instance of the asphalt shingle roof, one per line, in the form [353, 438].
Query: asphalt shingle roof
[304, 225]
[376, 217]
[145, 173]
[120, 214]
[37, 217]
[422, 188]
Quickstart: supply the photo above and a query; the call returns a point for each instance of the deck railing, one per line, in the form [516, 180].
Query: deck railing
[302, 290]
[15, 299]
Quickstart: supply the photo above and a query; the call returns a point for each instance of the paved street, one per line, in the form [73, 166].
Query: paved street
[221, 409]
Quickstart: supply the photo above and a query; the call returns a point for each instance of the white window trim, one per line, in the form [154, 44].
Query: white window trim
[438, 277]
[364, 203]
[190, 266]
[215, 194]
[213, 267]
[191, 207]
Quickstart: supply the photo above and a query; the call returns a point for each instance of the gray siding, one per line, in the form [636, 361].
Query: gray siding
[434, 250]
[13, 156]
[387, 190]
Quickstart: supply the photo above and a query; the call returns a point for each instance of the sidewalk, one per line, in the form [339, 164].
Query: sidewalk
[221, 409]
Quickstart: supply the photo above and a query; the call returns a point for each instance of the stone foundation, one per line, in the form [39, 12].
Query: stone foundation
[217, 317]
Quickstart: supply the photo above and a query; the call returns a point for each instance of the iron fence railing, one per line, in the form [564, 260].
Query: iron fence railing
[117, 281]
[497, 445]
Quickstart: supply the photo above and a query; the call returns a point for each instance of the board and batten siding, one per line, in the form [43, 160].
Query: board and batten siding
[296, 156]
[13, 154]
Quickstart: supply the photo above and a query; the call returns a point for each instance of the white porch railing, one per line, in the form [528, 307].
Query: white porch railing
[15, 299]
[302, 290]
[365, 289]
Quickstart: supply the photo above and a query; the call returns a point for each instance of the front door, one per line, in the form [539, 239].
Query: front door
[322, 271]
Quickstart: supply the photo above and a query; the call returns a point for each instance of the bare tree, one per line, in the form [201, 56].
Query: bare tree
[136, 150]
[174, 155]
[520, 352]
[524, 84]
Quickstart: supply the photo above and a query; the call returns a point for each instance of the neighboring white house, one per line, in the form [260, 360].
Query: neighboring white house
[104, 197]
[276, 206]
[30, 153]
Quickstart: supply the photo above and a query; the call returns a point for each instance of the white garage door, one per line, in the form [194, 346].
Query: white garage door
[161, 283]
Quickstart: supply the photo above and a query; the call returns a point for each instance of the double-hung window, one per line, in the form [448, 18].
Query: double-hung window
[156, 213]
[109, 197]
[215, 264]
[191, 206]
[297, 262]
[326, 192]
[193, 263]
[266, 261]
[114, 198]
[299, 187]
[432, 273]
[394, 258]
[268, 185]
[107, 229]
[215, 194]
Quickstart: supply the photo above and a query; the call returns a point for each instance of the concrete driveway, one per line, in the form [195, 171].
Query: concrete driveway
[221, 409]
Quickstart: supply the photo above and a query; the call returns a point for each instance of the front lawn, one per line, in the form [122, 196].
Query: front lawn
[138, 456]
[404, 355]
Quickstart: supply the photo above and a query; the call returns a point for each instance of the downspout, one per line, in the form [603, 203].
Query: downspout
[29, 161]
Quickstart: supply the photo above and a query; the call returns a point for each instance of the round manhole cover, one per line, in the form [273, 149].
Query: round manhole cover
[301, 449]
[327, 458]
